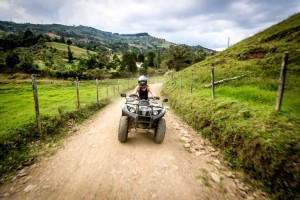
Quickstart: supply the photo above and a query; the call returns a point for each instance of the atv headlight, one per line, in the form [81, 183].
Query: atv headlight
[155, 112]
[131, 109]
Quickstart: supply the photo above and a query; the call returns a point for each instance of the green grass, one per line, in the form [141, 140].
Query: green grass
[77, 52]
[253, 136]
[17, 104]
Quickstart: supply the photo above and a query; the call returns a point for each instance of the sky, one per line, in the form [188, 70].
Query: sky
[209, 23]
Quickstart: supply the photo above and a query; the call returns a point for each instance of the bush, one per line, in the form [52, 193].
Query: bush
[12, 59]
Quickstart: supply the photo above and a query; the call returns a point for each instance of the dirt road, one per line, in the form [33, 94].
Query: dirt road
[93, 164]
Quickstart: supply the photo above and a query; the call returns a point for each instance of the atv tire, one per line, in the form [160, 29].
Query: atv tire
[160, 131]
[123, 129]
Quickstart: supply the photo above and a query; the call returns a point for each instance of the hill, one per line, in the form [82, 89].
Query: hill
[241, 119]
[91, 38]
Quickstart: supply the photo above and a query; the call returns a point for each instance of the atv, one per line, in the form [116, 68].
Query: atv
[142, 114]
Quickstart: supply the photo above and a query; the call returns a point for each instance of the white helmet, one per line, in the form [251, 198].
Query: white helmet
[142, 80]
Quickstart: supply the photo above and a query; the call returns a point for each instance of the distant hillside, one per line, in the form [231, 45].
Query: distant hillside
[91, 38]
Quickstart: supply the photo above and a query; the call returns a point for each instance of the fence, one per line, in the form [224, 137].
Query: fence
[213, 82]
[111, 87]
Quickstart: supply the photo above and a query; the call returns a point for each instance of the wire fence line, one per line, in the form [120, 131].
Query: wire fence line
[281, 85]
[108, 88]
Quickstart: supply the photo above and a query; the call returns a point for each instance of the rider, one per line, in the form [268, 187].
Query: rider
[142, 89]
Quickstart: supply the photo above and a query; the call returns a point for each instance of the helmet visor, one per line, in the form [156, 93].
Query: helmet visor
[142, 82]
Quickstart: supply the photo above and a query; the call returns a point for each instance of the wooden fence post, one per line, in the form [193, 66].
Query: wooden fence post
[118, 86]
[282, 81]
[77, 91]
[36, 104]
[106, 88]
[114, 87]
[97, 96]
[213, 80]
[191, 84]
[228, 42]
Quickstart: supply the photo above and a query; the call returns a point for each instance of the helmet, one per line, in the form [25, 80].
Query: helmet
[142, 80]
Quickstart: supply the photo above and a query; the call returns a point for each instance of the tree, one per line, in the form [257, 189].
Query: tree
[179, 57]
[102, 59]
[150, 59]
[70, 55]
[27, 64]
[128, 61]
[141, 58]
[28, 39]
[62, 39]
[116, 61]
[158, 60]
[91, 62]
[69, 42]
[27, 34]
[12, 59]
[199, 56]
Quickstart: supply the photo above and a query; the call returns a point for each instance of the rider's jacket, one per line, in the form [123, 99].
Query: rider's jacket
[143, 93]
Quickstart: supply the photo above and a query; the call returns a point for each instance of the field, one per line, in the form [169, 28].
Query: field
[17, 104]
[78, 52]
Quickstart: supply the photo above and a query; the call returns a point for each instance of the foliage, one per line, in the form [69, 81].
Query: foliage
[96, 73]
[141, 57]
[70, 55]
[150, 59]
[128, 61]
[27, 65]
[12, 59]
[180, 57]
[199, 56]
[27, 39]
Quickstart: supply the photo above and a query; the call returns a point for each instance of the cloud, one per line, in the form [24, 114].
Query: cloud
[193, 22]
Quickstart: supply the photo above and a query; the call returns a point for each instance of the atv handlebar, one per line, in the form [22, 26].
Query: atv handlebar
[154, 98]
[135, 96]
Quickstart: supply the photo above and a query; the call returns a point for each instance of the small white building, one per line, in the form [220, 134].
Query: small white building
[139, 64]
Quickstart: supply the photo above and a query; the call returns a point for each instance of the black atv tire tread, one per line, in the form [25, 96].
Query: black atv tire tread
[160, 131]
[123, 129]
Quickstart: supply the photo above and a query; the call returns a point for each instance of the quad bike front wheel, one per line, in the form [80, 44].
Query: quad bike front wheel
[160, 131]
[123, 129]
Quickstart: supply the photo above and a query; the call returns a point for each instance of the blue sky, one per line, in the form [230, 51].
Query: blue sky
[208, 23]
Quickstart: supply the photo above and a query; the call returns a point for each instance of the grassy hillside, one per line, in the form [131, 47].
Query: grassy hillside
[77, 51]
[242, 120]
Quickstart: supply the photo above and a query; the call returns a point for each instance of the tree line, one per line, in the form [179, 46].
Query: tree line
[101, 63]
